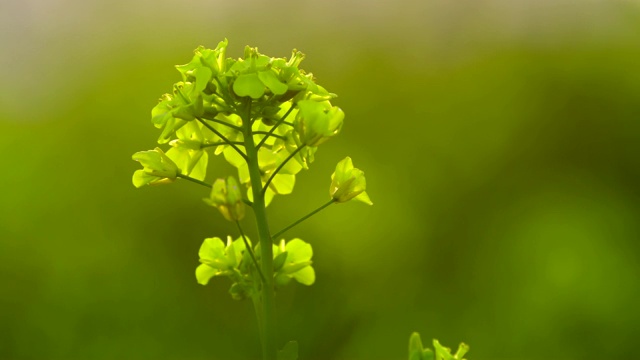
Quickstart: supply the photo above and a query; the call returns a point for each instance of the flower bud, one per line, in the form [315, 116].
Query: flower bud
[158, 168]
[317, 121]
[348, 182]
[226, 196]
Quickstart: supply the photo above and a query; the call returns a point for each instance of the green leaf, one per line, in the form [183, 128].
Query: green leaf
[289, 351]
[279, 260]
[415, 346]
[427, 354]
[249, 85]
[270, 80]
[203, 76]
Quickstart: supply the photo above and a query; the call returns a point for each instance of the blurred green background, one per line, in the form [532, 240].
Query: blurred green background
[501, 143]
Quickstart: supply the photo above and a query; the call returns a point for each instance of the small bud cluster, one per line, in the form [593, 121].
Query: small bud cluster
[292, 260]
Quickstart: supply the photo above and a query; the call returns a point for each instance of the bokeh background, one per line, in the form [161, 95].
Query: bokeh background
[501, 144]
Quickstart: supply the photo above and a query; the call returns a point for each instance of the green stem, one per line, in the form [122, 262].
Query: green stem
[237, 128]
[273, 128]
[255, 299]
[250, 250]
[224, 90]
[275, 236]
[269, 350]
[194, 180]
[207, 185]
[220, 143]
[275, 172]
[227, 141]
[267, 134]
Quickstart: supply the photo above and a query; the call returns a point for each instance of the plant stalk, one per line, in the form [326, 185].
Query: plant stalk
[303, 219]
[268, 331]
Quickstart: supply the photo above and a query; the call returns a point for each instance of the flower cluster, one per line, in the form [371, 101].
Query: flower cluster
[292, 260]
[221, 103]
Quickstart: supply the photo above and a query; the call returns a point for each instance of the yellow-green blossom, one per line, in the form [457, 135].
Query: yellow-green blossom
[348, 183]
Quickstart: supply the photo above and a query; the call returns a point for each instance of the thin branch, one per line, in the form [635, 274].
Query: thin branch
[273, 128]
[235, 127]
[247, 202]
[227, 141]
[194, 180]
[267, 134]
[221, 143]
[303, 219]
[250, 250]
[264, 189]
[225, 94]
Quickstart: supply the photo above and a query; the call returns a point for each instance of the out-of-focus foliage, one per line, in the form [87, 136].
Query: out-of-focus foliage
[501, 140]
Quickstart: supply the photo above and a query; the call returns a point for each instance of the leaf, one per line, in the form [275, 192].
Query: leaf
[270, 80]
[415, 346]
[427, 354]
[279, 260]
[248, 85]
[203, 76]
[289, 351]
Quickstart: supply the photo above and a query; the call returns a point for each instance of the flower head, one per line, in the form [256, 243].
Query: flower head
[317, 121]
[348, 183]
[226, 196]
[158, 168]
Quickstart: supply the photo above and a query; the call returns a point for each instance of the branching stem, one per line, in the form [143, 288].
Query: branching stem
[269, 349]
[237, 128]
[224, 138]
[267, 134]
[220, 143]
[249, 203]
[273, 128]
[250, 250]
[194, 180]
[275, 172]
[303, 218]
